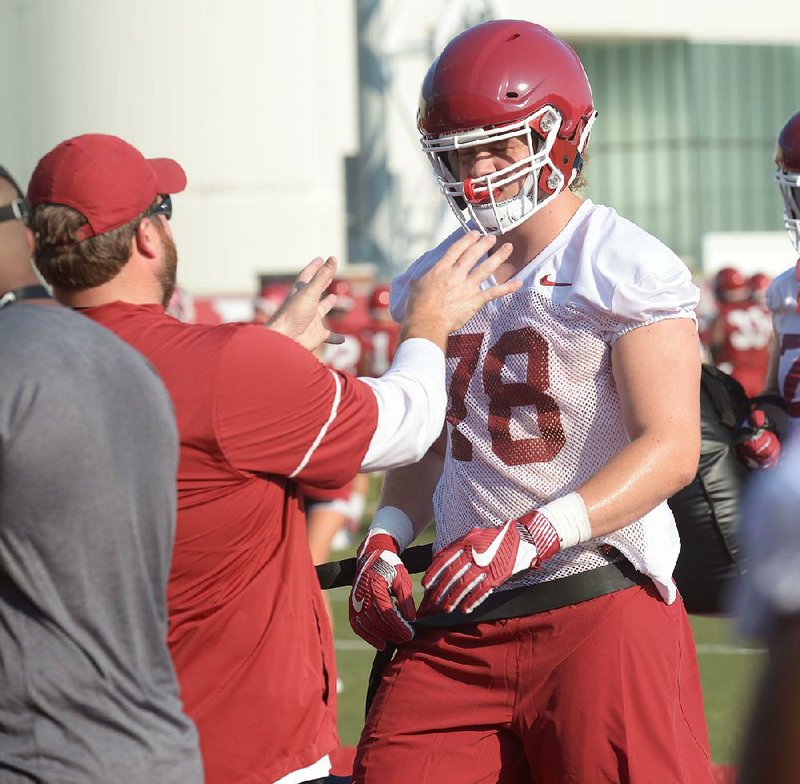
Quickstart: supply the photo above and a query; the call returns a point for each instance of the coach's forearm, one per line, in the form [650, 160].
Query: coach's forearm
[411, 406]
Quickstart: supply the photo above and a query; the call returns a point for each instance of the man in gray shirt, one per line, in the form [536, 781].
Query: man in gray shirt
[88, 455]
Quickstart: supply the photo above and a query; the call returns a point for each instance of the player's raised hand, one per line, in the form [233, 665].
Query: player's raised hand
[465, 572]
[381, 579]
[301, 315]
[450, 293]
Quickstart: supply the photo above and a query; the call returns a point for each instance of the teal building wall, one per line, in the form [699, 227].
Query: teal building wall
[685, 136]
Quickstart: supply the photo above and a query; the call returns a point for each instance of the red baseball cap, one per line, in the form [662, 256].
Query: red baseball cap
[104, 178]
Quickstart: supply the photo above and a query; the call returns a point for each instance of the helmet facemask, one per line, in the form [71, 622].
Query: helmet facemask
[475, 199]
[789, 185]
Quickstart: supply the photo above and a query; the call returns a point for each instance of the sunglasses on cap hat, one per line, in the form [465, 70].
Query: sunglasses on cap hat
[163, 207]
[17, 210]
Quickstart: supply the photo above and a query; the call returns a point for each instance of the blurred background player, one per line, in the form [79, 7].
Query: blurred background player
[269, 300]
[381, 335]
[553, 416]
[740, 340]
[741, 333]
[759, 283]
[348, 319]
[783, 379]
[706, 312]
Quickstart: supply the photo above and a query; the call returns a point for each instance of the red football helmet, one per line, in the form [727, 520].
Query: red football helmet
[379, 298]
[269, 300]
[759, 283]
[344, 294]
[495, 81]
[731, 285]
[787, 158]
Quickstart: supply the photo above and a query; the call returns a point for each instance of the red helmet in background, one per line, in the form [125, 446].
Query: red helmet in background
[379, 298]
[495, 81]
[759, 283]
[787, 158]
[344, 294]
[269, 299]
[731, 285]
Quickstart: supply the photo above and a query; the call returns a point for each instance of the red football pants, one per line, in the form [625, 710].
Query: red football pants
[603, 691]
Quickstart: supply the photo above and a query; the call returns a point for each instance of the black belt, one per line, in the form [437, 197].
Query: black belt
[512, 603]
[336, 574]
[549, 595]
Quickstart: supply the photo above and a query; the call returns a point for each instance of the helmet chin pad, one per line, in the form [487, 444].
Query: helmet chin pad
[498, 217]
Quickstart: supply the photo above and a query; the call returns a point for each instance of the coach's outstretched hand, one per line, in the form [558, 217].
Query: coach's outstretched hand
[449, 294]
[381, 578]
[300, 316]
[465, 572]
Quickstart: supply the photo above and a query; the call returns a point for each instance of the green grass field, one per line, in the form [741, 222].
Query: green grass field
[729, 668]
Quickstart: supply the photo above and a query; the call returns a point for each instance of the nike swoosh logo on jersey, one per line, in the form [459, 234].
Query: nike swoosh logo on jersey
[483, 559]
[545, 281]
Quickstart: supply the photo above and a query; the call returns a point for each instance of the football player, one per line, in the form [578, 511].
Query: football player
[783, 378]
[269, 299]
[347, 320]
[769, 600]
[741, 333]
[551, 644]
[380, 337]
[759, 283]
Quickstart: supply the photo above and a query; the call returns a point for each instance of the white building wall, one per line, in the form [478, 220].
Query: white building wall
[254, 98]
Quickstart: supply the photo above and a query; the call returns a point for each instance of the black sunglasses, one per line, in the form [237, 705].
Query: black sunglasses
[164, 207]
[17, 210]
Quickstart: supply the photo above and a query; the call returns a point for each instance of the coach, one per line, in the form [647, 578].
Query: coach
[256, 412]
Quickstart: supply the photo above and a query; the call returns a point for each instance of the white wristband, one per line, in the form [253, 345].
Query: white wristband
[568, 516]
[395, 522]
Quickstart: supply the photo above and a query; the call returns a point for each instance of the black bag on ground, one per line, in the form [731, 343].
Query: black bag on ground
[706, 509]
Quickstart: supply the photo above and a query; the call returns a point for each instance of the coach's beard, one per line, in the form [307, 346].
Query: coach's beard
[168, 273]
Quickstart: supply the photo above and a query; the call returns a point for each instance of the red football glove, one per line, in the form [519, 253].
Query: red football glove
[757, 445]
[465, 572]
[380, 577]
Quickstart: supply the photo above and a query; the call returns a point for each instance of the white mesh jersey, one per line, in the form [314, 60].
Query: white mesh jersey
[533, 410]
[782, 302]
